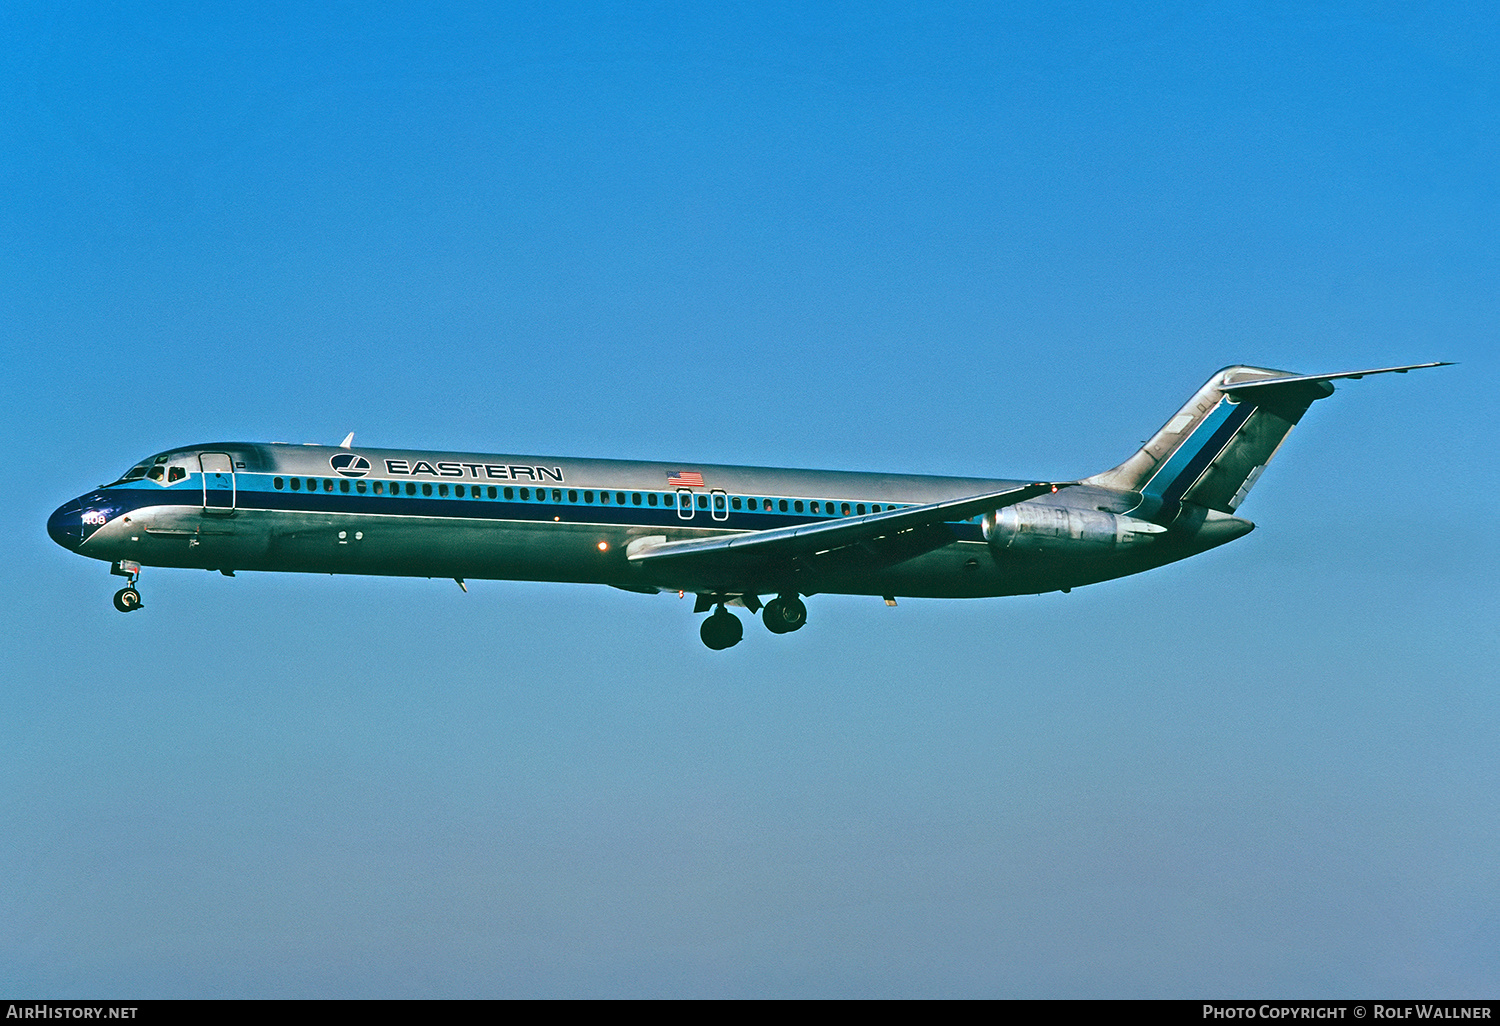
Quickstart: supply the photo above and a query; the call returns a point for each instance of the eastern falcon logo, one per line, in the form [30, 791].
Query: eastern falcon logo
[349, 464]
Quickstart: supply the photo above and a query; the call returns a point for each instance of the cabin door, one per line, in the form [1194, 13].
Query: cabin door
[218, 482]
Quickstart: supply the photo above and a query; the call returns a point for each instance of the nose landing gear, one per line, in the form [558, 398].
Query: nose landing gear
[127, 599]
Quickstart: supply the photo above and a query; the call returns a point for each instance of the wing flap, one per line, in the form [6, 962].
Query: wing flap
[876, 538]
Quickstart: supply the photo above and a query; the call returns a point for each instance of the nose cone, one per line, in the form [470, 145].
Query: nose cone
[65, 525]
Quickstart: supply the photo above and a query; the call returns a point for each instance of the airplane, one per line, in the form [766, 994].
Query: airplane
[732, 536]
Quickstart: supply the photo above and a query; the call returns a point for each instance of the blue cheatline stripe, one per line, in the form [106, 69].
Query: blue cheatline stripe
[1167, 486]
[1206, 455]
[255, 493]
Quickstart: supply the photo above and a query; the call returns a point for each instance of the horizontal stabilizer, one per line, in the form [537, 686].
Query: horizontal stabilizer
[1249, 388]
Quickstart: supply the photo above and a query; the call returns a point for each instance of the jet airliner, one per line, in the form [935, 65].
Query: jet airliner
[758, 538]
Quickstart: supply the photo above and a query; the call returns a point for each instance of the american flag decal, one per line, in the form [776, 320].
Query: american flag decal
[684, 479]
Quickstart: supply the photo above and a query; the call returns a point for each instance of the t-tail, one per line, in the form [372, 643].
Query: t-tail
[1213, 451]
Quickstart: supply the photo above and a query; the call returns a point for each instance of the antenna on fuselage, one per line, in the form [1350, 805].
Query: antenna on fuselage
[348, 441]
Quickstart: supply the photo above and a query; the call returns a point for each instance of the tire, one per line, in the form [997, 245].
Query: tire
[784, 615]
[774, 616]
[721, 630]
[795, 613]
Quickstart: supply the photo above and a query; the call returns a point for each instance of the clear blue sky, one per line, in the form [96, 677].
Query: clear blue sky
[997, 240]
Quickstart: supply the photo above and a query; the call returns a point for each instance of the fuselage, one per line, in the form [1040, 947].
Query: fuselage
[236, 506]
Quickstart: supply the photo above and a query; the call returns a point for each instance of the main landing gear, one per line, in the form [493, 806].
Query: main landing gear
[784, 615]
[723, 629]
[127, 599]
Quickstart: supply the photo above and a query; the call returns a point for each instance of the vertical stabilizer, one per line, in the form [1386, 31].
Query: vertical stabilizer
[1214, 449]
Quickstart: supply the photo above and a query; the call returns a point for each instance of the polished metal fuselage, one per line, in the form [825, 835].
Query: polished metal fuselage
[463, 515]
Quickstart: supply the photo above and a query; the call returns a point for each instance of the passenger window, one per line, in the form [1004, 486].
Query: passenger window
[735, 502]
[572, 495]
[860, 509]
[296, 484]
[782, 505]
[753, 505]
[604, 497]
[379, 488]
[619, 498]
[635, 498]
[557, 495]
[359, 486]
[875, 508]
[845, 508]
[495, 492]
[797, 506]
[651, 498]
[703, 502]
[427, 489]
[276, 483]
[510, 493]
[328, 484]
[344, 487]
[442, 490]
[411, 488]
[719, 503]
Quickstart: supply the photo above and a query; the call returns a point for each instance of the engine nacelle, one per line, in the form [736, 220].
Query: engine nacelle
[1030, 528]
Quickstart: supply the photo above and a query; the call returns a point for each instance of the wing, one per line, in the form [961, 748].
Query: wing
[872, 541]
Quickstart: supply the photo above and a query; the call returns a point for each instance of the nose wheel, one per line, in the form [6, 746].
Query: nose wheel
[127, 599]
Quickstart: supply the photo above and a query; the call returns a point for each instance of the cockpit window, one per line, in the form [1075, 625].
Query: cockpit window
[136, 472]
[156, 473]
[176, 474]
